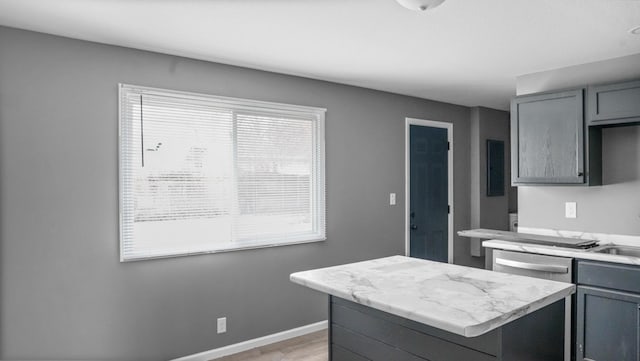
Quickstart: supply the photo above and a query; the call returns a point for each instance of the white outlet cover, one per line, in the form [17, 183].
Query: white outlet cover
[222, 325]
[571, 210]
[392, 199]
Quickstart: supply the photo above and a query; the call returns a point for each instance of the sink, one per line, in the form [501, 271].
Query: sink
[619, 250]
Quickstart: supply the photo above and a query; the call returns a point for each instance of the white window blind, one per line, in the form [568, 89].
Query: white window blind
[203, 174]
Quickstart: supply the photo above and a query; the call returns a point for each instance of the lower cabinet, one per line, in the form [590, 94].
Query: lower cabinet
[607, 327]
[608, 320]
[361, 333]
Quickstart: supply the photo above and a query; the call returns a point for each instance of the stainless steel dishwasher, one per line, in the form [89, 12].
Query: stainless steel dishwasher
[540, 266]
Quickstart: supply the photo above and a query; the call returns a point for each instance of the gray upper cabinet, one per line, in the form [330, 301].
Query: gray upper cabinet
[614, 104]
[548, 138]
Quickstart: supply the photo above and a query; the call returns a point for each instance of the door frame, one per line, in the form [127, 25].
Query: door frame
[407, 179]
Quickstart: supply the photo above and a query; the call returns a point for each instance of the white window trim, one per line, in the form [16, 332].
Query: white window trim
[236, 104]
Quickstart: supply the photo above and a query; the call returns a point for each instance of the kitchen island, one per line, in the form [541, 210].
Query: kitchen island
[399, 308]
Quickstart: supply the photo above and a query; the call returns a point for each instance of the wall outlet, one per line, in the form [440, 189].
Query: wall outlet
[222, 325]
[392, 199]
[570, 210]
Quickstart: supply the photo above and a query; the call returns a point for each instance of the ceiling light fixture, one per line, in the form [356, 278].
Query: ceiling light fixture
[420, 5]
[634, 31]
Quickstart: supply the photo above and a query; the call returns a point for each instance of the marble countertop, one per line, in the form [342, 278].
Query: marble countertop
[462, 300]
[561, 251]
[601, 238]
[550, 240]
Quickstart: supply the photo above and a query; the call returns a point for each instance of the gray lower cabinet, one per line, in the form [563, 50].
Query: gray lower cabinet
[550, 142]
[360, 333]
[607, 329]
[614, 104]
[608, 312]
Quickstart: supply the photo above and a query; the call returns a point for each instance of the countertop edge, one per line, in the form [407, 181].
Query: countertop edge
[478, 330]
[469, 331]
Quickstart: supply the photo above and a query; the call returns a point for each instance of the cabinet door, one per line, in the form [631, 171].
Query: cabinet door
[607, 325]
[614, 103]
[547, 134]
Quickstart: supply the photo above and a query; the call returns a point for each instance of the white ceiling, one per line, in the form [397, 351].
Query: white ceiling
[466, 52]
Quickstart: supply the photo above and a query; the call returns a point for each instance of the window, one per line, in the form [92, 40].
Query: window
[201, 174]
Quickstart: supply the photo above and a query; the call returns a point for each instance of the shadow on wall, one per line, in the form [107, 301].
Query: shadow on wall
[621, 154]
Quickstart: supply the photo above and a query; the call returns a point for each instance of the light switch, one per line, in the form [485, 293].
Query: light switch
[570, 210]
[392, 199]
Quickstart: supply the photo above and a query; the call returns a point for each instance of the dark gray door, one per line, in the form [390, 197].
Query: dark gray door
[428, 202]
[607, 325]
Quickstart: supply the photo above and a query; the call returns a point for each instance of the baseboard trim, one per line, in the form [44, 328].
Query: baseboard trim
[256, 342]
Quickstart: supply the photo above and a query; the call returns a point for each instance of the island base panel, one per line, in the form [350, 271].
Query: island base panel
[360, 333]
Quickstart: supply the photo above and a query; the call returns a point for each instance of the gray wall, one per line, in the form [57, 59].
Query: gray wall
[613, 207]
[489, 212]
[64, 295]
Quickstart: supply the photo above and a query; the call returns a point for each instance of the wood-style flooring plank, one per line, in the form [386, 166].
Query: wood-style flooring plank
[311, 347]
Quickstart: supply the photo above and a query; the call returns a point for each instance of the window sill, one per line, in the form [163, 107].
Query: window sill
[242, 247]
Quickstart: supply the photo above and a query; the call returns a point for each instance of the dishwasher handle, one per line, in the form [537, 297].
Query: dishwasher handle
[532, 266]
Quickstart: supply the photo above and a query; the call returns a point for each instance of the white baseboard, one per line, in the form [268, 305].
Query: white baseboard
[256, 342]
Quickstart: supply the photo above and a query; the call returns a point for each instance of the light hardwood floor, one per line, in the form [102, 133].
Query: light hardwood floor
[311, 347]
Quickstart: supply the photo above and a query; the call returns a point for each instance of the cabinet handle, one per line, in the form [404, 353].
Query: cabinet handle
[588, 359]
[580, 174]
[532, 266]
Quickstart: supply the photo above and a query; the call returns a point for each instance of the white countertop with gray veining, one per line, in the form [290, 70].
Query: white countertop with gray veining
[462, 300]
[561, 251]
[589, 254]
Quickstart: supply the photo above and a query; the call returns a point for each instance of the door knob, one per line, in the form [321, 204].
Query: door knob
[414, 227]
